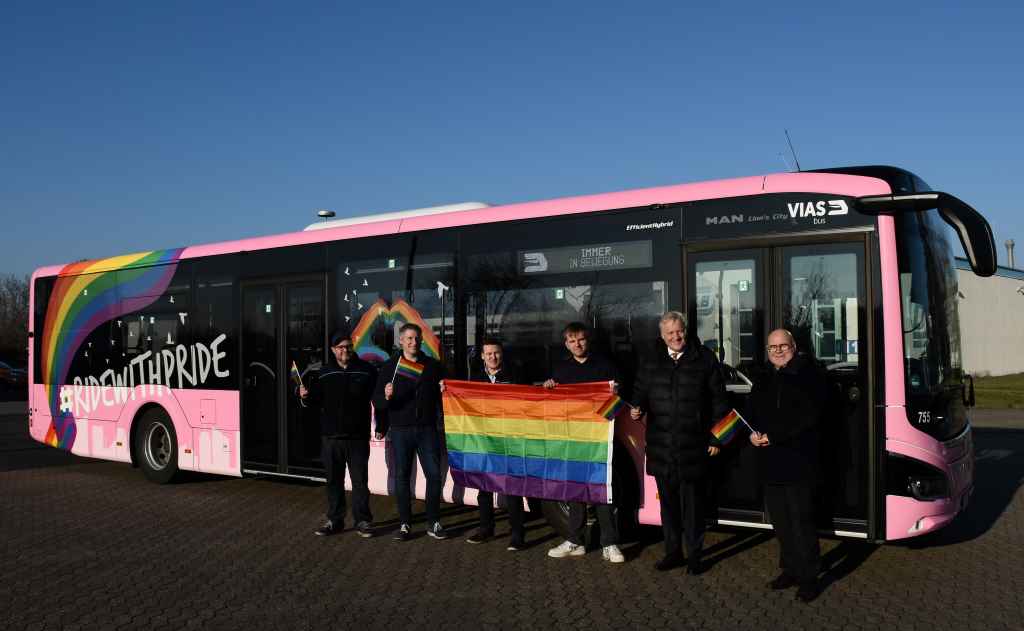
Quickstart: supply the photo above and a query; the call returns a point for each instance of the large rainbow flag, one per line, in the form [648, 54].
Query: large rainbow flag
[528, 441]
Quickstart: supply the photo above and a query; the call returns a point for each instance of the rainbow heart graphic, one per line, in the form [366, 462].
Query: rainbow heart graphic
[380, 314]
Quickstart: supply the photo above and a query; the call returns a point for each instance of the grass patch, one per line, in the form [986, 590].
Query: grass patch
[1006, 391]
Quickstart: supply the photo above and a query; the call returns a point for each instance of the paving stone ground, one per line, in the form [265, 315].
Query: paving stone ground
[86, 544]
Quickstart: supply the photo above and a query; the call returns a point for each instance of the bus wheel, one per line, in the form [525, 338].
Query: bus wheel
[557, 514]
[156, 447]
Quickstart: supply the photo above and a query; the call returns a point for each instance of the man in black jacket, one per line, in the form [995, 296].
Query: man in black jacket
[582, 367]
[677, 389]
[341, 392]
[412, 405]
[494, 370]
[785, 408]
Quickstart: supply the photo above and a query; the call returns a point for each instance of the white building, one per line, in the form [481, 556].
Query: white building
[991, 327]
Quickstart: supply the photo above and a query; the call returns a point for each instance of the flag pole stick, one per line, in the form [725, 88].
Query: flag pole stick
[752, 430]
[397, 364]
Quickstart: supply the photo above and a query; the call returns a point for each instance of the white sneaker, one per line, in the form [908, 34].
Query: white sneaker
[613, 554]
[567, 549]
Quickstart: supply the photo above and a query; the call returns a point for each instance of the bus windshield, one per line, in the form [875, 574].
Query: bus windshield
[928, 292]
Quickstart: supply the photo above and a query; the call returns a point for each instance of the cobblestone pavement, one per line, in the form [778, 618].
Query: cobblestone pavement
[91, 545]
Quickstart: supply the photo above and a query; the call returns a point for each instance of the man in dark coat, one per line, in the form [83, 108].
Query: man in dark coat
[785, 408]
[676, 389]
[341, 392]
[582, 367]
[494, 370]
[412, 407]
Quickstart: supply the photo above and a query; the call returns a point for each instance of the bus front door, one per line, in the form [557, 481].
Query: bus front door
[282, 322]
[727, 298]
[816, 290]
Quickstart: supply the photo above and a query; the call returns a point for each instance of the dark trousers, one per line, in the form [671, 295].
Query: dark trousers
[682, 515]
[408, 442]
[514, 505]
[336, 453]
[607, 519]
[791, 512]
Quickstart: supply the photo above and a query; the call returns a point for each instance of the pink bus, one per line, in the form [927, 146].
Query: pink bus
[178, 359]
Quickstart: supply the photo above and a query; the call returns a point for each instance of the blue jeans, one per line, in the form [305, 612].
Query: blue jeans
[408, 442]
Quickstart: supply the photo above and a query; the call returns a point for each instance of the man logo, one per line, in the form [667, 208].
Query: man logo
[723, 219]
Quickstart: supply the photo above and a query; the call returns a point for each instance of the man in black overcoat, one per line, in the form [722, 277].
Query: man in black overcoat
[676, 389]
[785, 408]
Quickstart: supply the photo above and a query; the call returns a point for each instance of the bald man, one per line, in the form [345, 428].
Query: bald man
[785, 408]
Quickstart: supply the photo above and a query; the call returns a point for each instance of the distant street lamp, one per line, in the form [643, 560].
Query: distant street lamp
[325, 214]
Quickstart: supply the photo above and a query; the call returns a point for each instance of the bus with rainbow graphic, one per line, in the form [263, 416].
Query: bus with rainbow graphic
[179, 360]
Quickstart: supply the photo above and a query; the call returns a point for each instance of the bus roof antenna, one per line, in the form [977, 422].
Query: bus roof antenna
[791, 150]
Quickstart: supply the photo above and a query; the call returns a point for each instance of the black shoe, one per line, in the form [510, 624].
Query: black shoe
[783, 581]
[516, 545]
[695, 567]
[364, 529]
[670, 561]
[808, 591]
[404, 533]
[481, 536]
[328, 529]
[436, 531]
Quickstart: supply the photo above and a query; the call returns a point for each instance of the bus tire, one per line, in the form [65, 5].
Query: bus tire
[625, 494]
[156, 446]
[557, 514]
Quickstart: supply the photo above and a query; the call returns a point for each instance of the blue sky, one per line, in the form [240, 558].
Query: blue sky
[134, 126]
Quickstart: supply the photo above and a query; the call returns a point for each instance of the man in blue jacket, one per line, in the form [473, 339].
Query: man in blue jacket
[341, 392]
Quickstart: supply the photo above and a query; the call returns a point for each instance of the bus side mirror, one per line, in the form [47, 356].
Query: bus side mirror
[969, 391]
[971, 228]
[974, 232]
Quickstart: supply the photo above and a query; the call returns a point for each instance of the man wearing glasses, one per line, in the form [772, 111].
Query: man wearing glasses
[785, 408]
[341, 392]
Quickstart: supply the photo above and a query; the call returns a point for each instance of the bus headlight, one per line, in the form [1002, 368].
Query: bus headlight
[928, 488]
[913, 478]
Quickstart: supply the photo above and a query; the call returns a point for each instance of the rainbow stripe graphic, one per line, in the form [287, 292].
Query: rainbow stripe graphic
[611, 408]
[380, 314]
[85, 295]
[528, 441]
[725, 429]
[408, 369]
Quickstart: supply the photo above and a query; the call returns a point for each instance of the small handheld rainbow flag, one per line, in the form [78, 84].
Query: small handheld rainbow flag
[295, 374]
[408, 369]
[611, 408]
[725, 428]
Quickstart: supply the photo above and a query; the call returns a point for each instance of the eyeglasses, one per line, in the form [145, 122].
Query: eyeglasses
[778, 348]
[344, 348]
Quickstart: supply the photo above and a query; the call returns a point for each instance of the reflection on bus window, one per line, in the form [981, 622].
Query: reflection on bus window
[726, 302]
[823, 307]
